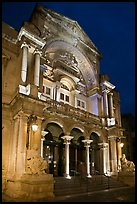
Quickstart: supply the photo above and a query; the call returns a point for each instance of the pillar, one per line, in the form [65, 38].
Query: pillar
[119, 153]
[102, 109]
[67, 139]
[108, 159]
[21, 145]
[76, 159]
[43, 133]
[113, 158]
[13, 147]
[105, 158]
[105, 102]
[111, 105]
[93, 160]
[24, 47]
[37, 67]
[87, 145]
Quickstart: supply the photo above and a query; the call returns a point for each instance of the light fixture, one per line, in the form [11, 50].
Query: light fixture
[34, 127]
[121, 145]
[32, 122]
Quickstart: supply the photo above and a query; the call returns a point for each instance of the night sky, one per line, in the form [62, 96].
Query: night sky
[111, 27]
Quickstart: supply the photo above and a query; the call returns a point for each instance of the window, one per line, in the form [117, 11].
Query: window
[62, 96]
[67, 98]
[47, 91]
[80, 104]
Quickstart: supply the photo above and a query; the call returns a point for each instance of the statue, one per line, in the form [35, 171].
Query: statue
[35, 163]
[127, 165]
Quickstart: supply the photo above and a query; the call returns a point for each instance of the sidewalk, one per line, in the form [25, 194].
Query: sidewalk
[122, 194]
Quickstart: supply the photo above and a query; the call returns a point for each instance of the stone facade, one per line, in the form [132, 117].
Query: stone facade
[51, 73]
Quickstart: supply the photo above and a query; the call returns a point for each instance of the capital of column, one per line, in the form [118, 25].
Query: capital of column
[105, 90]
[43, 133]
[110, 93]
[24, 44]
[87, 142]
[37, 51]
[67, 139]
[104, 145]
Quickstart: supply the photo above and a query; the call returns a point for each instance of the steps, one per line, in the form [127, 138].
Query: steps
[78, 185]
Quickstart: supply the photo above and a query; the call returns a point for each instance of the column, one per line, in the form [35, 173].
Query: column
[43, 133]
[21, 145]
[87, 145]
[41, 151]
[113, 158]
[24, 47]
[76, 159]
[93, 160]
[67, 139]
[57, 96]
[102, 111]
[119, 152]
[108, 159]
[105, 161]
[13, 146]
[111, 105]
[105, 101]
[37, 67]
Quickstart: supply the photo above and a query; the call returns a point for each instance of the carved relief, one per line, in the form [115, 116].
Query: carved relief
[66, 57]
[81, 88]
[69, 59]
[47, 71]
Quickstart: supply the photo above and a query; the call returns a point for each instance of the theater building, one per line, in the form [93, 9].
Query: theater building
[54, 98]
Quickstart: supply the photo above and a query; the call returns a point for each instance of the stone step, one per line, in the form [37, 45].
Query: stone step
[75, 185]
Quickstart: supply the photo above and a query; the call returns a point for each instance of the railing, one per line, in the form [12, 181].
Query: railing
[66, 109]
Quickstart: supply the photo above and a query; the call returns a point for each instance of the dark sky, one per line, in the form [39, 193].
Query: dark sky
[111, 27]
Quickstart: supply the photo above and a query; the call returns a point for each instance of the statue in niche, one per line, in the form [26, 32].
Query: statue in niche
[127, 165]
[35, 163]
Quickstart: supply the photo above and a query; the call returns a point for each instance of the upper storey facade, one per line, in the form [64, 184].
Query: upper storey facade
[52, 59]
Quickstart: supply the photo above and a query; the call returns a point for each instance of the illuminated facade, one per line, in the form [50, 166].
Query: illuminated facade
[51, 70]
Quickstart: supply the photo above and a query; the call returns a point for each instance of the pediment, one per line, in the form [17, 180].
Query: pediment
[47, 24]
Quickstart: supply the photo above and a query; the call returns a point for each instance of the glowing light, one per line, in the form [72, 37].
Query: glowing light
[121, 145]
[34, 127]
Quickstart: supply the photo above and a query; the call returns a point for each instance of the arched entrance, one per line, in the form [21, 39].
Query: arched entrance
[53, 148]
[61, 158]
[96, 166]
[77, 151]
